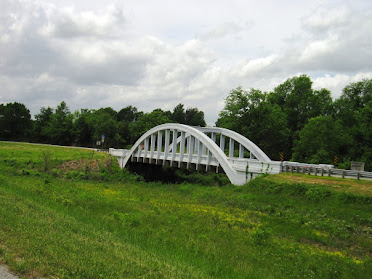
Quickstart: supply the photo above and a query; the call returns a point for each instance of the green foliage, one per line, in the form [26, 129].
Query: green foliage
[194, 117]
[47, 156]
[59, 127]
[354, 110]
[300, 102]
[15, 121]
[146, 122]
[179, 115]
[128, 114]
[261, 236]
[319, 141]
[250, 114]
[303, 123]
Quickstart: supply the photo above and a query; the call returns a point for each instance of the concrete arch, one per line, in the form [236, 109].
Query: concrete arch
[194, 132]
[249, 145]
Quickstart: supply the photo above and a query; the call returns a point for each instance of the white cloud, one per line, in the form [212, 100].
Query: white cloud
[337, 82]
[91, 54]
[69, 23]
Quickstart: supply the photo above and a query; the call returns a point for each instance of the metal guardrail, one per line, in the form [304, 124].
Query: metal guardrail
[324, 170]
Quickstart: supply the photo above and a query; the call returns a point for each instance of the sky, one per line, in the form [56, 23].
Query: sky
[157, 54]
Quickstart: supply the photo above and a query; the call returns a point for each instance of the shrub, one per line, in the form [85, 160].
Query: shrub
[315, 194]
[260, 236]
[47, 157]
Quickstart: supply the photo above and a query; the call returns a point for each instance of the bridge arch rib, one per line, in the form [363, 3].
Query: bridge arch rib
[182, 144]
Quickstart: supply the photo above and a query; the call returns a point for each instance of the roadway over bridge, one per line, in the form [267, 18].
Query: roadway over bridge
[200, 148]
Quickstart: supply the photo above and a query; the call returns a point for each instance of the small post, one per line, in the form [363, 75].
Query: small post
[358, 175]
[343, 174]
[309, 170]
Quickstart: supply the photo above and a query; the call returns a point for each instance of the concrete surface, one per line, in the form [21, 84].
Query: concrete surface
[5, 274]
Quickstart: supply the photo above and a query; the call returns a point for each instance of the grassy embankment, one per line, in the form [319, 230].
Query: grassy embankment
[63, 217]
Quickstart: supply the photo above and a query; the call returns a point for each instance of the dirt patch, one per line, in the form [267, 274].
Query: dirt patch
[5, 273]
[82, 164]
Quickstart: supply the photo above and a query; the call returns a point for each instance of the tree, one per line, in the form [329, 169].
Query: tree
[250, 114]
[319, 141]
[352, 109]
[105, 124]
[110, 111]
[354, 97]
[59, 129]
[83, 128]
[300, 102]
[194, 117]
[40, 133]
[128, 114]
[146, 122]
[364, 145]
[15, 121]
[179, 114]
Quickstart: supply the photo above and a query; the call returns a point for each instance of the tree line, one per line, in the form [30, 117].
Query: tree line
[303, 124]
[86, 127]
[307, 125]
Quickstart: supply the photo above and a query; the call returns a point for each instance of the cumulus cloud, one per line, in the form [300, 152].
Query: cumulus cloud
[93, 58]
[69, 23]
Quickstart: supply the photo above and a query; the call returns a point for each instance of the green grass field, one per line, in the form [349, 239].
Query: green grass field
[72, 213]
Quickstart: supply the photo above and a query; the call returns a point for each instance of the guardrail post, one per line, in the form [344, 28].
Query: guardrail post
[358, 175]
[309, 170]
[316, 171]
[343, 174]
[322, 171]
[329, 172]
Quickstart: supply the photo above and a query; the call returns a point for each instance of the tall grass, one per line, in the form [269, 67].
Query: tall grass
[108, 223]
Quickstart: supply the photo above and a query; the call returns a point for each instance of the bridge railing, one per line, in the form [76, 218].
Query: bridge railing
[324, 170]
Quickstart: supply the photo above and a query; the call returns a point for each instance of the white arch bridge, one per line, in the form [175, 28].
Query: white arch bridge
[200, 148]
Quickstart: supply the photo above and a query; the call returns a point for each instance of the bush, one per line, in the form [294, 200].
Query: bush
[349, 198]
[260, 236]
[315, 194]
[47, 157]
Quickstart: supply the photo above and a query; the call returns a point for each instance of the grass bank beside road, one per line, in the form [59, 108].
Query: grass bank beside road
[70, 213]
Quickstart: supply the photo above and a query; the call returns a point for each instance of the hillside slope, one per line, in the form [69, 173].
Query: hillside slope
[70, 213]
